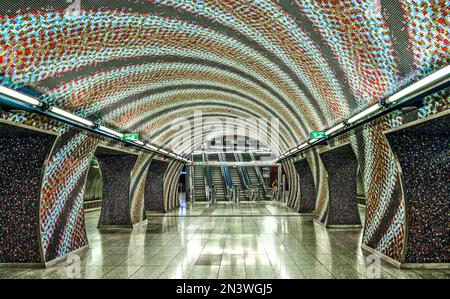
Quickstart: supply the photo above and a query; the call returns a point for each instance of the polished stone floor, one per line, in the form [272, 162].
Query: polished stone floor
[248, 240]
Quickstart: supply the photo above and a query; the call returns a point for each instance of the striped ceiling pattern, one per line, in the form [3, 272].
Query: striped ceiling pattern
[137, 65]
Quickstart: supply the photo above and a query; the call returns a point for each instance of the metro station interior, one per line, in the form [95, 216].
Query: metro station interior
[225, 139]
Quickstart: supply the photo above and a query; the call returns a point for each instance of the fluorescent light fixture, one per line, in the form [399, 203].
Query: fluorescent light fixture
[139, 142]
[18, 96]
[440, 77]
[365, 113]
[302, 146]
[314, 140]
[334, 129]
[292, 151]
[163, 151]
[111, 132]
[71, 116]
[151, 147]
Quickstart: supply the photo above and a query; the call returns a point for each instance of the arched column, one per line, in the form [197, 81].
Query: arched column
[171, 180]
[293, 200]
[422, 150]
[117, 169]
[341, 166]
[23, 154]
[321, 182]
[137, 193]
[61, 211]
[308, 192]
[154, 186]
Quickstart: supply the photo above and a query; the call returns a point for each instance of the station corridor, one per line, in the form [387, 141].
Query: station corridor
[204, 242]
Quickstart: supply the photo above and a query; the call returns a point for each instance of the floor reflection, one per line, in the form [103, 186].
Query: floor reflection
[249, 240]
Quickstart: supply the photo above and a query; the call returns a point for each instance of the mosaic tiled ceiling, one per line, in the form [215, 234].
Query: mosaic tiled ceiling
[137, 65]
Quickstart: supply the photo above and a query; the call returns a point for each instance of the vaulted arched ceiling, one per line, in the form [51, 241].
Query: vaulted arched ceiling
[139, 65]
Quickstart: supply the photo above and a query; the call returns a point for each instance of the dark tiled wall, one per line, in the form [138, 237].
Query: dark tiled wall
[154, 186]
[341, 166]
[116, 171]
[423, 153]
[307, 188]
[22, 157]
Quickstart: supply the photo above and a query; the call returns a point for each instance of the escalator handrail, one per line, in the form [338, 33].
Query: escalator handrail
[226, 178]
[259, 175]
[207, 177]
[243, 175]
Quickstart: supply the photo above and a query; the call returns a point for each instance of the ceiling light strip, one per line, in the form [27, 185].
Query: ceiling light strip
[16, 99]
[421, 88]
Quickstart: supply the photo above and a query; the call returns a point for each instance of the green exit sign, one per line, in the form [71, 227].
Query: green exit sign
[317, 135]
[130, 137]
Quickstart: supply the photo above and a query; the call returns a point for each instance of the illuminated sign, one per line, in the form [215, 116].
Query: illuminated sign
[317, 135]
[130, 137]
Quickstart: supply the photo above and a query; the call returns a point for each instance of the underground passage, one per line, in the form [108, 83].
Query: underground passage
[225, 139]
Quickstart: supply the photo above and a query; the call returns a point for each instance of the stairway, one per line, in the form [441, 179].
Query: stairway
[216, 178]
[199, 180]
[234, 172]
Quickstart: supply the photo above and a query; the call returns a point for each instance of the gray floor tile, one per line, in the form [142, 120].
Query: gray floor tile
[259, 272]
[204, 272]
[121, 272]
[209, 260]
[232, 272]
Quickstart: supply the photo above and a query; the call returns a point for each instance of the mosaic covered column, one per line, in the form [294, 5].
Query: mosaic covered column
[116, 168]
[341, 166]
[138, 178]
[171, 181]
[422, 150]
[154, 186]
[308, 192]
[293, 199]
[23, 153]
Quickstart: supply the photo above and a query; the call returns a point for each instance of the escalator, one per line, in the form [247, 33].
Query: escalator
[199, 180]
[254, 175]
[217, 178]
[234, 172]
[251, 171]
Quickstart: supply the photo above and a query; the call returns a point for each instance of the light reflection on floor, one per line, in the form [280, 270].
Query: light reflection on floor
[249, 240]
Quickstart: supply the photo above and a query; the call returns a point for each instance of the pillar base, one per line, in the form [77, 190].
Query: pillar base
[339, 226]
[63, 258]
[10, 266]
[111, 226]
[306, 213]
[43, 265]
[143, 222]
[405, 265]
